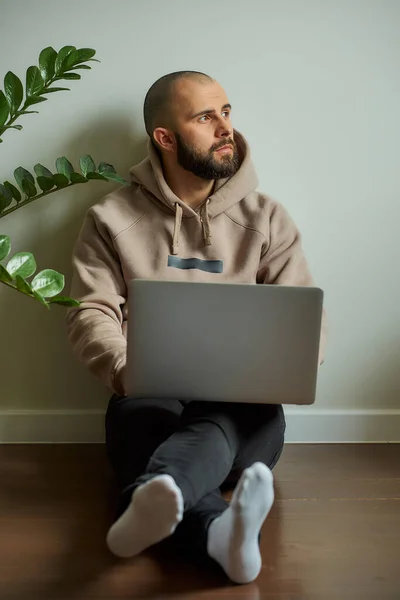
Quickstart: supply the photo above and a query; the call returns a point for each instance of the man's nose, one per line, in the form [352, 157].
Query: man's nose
[224, 129]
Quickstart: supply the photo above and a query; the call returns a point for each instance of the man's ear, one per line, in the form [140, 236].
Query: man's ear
[164, 139]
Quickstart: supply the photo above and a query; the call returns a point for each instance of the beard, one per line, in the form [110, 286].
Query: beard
[204, 164]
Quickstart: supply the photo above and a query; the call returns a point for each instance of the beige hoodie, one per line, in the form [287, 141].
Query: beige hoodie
[145, 231]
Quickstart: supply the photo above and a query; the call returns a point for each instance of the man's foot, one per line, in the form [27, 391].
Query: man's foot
[233, 537]
[153, 514]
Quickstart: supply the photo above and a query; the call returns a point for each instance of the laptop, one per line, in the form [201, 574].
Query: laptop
[223, 342]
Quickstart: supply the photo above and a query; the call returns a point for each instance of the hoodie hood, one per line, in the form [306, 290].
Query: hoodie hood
[227, 192]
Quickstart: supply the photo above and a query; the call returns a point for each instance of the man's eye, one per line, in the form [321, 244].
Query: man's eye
[203, 117]
[226, 112]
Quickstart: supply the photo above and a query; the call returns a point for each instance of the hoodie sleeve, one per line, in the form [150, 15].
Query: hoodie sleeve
[284, 262]
[95, 328]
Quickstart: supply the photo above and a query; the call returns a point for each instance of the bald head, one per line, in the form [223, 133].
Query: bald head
[158, 104]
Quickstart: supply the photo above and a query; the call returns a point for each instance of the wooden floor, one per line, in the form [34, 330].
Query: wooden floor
[333, 533]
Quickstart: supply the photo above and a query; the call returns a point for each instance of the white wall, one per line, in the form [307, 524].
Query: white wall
[315, 88]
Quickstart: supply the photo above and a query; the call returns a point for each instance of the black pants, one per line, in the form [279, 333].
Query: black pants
[202, 445]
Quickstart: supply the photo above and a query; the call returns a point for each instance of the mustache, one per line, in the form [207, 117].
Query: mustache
[227, 142]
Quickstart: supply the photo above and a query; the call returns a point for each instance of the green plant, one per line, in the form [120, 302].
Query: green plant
[14, 102]
[44, 287]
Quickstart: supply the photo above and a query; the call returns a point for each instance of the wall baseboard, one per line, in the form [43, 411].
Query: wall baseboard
[317, 425]
[304, 425]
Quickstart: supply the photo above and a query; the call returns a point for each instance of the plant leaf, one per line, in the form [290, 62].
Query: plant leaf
[45, 183]
[114, 177]
[78, 178]
[47, 59]
[86, 67]
[70, 76]
[60, 180]
[106, 167]
[34, 81]
[55, 89]
[48, 283]
[2, 203]
[29, 188]
[23, 285]
[22, 264]
[40, 298]
[13, 191]
[64, 301]
[110, 173]
[42, 171]
[5, 246]
[64, 167]
[30, 112]
[86, 164]
[61, 57]
[79, 56]
[4, 110]
[34, 100]
[14, 91]
[96, 176]
[5, 275]
[6, 196]
[20, 173]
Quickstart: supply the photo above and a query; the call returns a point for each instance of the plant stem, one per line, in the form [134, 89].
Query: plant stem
[28, 200]
[24, 107]
[14, 287]
[10, 122]
[12, 119]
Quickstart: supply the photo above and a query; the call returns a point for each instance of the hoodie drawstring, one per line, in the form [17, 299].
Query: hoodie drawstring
[205, 219]
[177, 228]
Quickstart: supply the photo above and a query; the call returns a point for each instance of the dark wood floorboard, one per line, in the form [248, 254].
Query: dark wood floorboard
[333, 533]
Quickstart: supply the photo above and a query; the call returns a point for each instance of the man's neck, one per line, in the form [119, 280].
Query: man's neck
[188, 187]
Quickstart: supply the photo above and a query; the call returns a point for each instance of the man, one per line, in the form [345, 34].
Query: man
[193, 197]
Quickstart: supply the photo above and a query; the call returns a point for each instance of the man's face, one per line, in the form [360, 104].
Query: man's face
[204, 132]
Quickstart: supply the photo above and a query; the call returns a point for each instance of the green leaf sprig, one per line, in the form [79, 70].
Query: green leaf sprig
[39, 81]
[45, 287]
[13, 197]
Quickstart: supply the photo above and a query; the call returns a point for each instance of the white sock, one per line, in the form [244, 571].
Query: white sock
[155, 510]
[233, 537]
